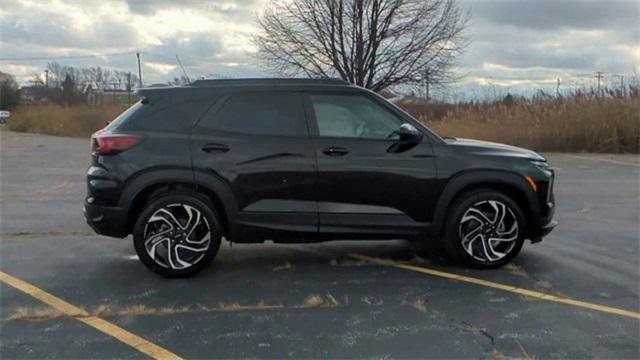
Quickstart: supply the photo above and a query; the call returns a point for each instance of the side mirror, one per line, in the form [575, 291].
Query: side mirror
[408, 134]
[408, 137]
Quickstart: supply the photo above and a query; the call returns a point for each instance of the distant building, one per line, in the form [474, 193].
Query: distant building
[107, 96]
[31, 94]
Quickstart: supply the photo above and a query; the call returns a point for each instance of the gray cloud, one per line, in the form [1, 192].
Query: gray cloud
[516, 39]
[558, 14]
[192, 44]
[48, 29]
[238, 9]
[540, 40]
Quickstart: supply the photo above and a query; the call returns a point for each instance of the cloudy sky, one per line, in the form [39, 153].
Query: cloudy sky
[515, 44]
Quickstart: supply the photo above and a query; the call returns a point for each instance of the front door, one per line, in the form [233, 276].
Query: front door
[367, 183]
[257, 144]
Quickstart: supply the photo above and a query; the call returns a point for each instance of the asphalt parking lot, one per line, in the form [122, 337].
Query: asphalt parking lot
[338, 299]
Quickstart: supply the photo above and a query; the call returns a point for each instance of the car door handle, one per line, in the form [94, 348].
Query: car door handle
[211, 148]
[335, 151]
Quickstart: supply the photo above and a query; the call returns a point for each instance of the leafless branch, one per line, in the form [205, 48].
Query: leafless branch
[371, 43]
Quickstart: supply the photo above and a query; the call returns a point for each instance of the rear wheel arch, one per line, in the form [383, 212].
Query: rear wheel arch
[510, 184]
[147, 193]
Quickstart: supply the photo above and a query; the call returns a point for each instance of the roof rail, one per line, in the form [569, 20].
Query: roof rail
[269, 81]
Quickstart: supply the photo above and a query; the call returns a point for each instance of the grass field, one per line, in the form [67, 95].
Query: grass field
[52, 119]
[577, 123]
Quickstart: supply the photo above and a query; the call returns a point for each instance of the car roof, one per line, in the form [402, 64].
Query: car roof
[253, 83]
[269, 81]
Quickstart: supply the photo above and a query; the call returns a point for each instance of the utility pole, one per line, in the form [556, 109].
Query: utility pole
[426, 83]
[599, 76]
[46, 83]
[558, 88]
[139, 70]
[129, 86]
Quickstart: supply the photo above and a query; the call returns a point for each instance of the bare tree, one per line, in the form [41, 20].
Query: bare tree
[179, 80]
[371, 43]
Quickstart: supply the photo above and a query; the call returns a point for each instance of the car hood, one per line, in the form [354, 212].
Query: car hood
[494, 149]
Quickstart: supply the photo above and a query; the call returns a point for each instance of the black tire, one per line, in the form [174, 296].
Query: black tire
[453, 240]
[170, 200]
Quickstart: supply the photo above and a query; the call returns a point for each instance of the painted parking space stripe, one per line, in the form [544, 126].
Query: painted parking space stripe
[513, 289]
[142, 345]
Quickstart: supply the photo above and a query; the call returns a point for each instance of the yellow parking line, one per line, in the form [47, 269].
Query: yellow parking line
[133, 340]
[513, 289]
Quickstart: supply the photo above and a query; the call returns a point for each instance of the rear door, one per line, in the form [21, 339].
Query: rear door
[257, 143]
[366, 184]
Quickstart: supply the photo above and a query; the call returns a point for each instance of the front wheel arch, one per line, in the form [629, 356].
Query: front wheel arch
[510, 184]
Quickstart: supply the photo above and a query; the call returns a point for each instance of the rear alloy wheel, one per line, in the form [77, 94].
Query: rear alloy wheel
[485, 230]
[177, 235]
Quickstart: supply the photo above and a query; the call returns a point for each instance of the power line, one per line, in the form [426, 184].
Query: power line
[68, 57]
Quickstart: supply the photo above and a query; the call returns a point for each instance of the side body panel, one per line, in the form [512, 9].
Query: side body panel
[271, 179]
[369, 189]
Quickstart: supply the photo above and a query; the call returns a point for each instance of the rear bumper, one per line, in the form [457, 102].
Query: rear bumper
[109, 221]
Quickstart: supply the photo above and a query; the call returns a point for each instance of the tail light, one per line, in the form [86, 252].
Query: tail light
[108, 144]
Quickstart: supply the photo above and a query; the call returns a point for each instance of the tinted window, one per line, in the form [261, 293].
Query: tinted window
[260, 113]
[125, 116]
[353, 116]
[168, 111]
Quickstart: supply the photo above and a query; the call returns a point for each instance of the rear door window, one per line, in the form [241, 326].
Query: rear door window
[259, 113]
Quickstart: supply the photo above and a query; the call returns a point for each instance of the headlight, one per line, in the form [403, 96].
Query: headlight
[540, 163]
[543, 166]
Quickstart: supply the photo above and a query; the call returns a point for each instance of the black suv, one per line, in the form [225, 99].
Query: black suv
[298, 160]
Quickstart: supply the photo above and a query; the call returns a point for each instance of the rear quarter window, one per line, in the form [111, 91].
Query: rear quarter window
[124, 117]
[168, 112]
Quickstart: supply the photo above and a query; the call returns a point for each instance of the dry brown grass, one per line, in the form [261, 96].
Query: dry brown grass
[315, 301]
[578, 123]
[418, 304]
[285, 266]
[52, 119]
[40, 313]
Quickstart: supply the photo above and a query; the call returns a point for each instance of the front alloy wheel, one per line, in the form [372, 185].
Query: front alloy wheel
[488, 231]
[485, 229]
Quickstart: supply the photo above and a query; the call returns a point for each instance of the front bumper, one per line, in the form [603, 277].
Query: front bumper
[542, 231]
[109, 221]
